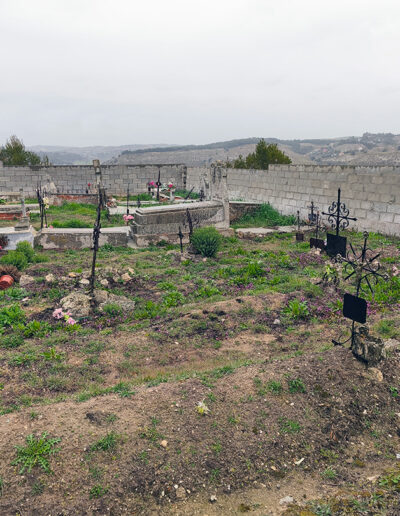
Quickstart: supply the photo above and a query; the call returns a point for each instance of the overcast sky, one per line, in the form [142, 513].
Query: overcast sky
[113, 72]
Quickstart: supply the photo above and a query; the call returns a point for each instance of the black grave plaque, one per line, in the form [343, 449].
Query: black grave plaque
[318, 243]
[299, 237]
[355, 308]
[335, 245]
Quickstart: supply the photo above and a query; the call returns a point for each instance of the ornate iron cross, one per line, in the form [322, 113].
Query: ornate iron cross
[364, 266]
[338, 215]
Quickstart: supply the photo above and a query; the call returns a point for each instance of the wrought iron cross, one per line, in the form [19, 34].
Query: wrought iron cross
[158, 184]
[338, 215]
[364, 266]
[298, 220]
[312, 215]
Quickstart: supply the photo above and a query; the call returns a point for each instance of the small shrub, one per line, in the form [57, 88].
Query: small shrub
[19, 260]
[206, 241]
[26, 249]
[36, 453]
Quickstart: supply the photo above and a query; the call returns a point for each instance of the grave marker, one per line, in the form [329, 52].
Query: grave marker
[338, 217]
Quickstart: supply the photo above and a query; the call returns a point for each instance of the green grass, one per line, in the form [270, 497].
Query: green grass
[264, 216]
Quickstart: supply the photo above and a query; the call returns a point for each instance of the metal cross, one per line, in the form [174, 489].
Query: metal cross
[317, 226]
[158, 184]
[127, 200]
[364, 266]
[338, 215]
[298, 220]
[96, 235]
[188, 195]
[189, 218]
[312, 216]
[180, 234]
[202, 194]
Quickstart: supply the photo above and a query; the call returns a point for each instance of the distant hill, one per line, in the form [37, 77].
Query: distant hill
[369, 149]
[62, 155]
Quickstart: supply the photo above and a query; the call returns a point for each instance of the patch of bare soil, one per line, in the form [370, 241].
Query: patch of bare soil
[327, 413]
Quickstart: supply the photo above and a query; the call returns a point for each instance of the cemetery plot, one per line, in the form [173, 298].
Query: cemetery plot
[193, 377]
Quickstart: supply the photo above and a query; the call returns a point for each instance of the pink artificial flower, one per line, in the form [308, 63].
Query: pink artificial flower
[127, 217]
[152, 183]
[170, 186]
[58, 313]
[71, 321]
[51, 227]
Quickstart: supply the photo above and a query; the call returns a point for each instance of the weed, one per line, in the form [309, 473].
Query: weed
[173, 298]
[112, 310]
[287, 426]
[38, 487]
[297, 309]
[296, 385]
[274, 386]
[10, 315]
[329, 473]
[97, 491]
[36, 329]
[36, 452]
[106, 443]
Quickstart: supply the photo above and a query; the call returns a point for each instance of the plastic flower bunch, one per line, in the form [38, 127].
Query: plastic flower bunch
[202, 408]
[170, 186]
[46, 203]
[59, 314]
[152, 184]
[127, 218]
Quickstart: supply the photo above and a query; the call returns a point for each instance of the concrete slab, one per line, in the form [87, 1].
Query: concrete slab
[80, 238]
[261, 232]
[17, 236]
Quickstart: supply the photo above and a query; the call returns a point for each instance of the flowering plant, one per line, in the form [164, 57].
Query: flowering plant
[170, 186]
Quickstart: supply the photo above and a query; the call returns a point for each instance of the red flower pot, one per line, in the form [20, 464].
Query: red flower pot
[6, 281]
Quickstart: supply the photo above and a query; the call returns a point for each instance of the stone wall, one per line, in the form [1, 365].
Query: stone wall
[74, 179]
[371, 193]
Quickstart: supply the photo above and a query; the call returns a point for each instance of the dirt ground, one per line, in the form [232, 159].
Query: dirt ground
[210, 398]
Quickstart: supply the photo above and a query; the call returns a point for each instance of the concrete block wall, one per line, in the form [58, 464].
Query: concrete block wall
[74, 179]
[371, 193]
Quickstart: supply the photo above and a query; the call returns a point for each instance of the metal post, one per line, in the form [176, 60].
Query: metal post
[127, 200]
[96, 234]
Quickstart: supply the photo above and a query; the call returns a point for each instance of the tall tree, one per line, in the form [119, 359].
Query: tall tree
[263, 156]
[14, 153]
